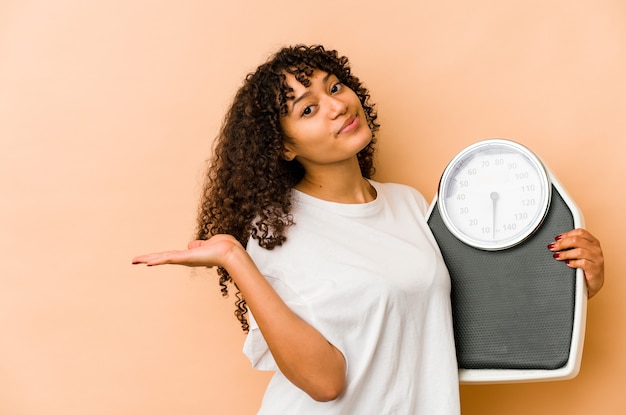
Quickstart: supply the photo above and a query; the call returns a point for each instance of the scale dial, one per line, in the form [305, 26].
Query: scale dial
[494, 194]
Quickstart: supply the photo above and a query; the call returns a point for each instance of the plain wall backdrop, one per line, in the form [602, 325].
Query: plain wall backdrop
[108, 110]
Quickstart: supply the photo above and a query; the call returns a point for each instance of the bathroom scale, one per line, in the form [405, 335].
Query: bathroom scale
[519, 315]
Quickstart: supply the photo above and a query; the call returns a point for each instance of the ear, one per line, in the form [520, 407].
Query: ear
[289, 154]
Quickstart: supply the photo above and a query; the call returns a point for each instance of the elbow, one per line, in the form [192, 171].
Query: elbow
[323, 378]
[329, 391]
[326, 396]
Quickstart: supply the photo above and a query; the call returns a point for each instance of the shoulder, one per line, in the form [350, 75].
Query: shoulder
[397, 192]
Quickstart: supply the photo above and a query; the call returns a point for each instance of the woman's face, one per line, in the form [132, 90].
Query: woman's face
[325, 124]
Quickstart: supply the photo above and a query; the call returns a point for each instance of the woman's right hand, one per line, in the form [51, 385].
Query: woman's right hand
[215, 251]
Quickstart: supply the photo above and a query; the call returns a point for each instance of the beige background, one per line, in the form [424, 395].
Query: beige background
[107, 112]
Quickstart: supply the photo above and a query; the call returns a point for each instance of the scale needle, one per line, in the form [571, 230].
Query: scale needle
[494, 196]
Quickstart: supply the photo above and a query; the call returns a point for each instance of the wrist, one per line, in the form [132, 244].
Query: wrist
[234, 255]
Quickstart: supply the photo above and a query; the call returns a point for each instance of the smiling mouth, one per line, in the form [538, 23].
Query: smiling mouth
[350, 125]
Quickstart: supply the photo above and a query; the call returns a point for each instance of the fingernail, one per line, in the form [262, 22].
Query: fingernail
[556, 255]
[550, 246]
[558, 237]
[567, 261]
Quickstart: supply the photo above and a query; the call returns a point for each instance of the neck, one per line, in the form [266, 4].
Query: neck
[340, 187]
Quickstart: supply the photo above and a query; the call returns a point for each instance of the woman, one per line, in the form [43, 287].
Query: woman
[349, 297]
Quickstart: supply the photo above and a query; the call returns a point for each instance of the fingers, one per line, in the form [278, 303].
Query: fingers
[575, 238]
[159, 258]
[574, 244]
[580, 249]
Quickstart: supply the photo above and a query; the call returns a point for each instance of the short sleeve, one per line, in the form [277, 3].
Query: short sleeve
[420, 201]
[255, 348]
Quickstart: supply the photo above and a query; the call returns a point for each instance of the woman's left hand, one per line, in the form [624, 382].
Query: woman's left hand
[580, 249]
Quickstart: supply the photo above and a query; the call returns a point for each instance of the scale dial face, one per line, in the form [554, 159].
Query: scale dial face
[494, 194]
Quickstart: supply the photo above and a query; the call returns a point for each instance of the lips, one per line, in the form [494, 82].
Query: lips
[351, 124]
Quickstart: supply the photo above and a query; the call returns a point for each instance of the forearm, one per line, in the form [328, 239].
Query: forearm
[303, 355]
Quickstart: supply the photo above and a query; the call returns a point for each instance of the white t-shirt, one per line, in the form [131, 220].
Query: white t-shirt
[371, 279]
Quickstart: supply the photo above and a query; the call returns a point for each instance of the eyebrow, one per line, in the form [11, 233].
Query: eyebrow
[307, 93]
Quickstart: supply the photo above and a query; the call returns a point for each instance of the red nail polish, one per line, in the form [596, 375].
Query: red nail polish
[550, 246]
[556, 256]
[558, 237]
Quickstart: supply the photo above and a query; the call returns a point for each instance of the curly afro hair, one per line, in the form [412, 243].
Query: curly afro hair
[248, 184]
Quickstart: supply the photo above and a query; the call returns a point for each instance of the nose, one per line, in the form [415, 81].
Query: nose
[336, 107]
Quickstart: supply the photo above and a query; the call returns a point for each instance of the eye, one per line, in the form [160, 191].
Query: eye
[336, 88]
[308, 110]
